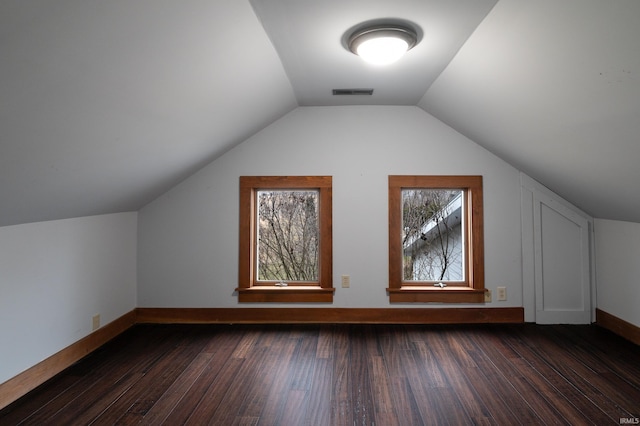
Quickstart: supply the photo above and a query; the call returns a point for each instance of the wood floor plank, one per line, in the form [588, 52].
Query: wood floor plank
[590, 385]
[398, 354]
[158, 413]
[324, 347]
[567, 400]
[304, 361]
[88, 410]
[249, 339]
[294, 407]
[220, 347]
[138, 400]
[127, 356]
[296, 383]
[239, 391]
[427, 398]
[344, 374]
[452, 361]
[406, 406]
[547, 384]
[430, 366]
[342, 404]
[385, 412]
[38, 400]
[361, 385]
[487, 379]
[265, 399]
[209, 402]
[320, 395]
[508, 362]
[609, 351]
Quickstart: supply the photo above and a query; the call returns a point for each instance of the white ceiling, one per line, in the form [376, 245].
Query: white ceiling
[311, 37]
[104, 105]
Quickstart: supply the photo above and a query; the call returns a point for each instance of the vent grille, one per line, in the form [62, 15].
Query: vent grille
[338, 92]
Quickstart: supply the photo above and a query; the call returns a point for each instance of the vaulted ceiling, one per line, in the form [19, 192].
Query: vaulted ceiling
[105, 105]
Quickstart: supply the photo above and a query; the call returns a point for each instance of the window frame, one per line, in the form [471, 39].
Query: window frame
[249, 288]
[471, 290]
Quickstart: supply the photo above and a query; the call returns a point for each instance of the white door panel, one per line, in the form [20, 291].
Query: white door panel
[562, 271]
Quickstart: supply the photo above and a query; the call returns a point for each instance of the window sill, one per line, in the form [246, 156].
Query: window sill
[423, 294]
[291, 294]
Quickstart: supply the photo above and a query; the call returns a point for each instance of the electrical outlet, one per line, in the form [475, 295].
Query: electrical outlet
[96, 322]
[502, 293]
[346, 281]
[487, 296]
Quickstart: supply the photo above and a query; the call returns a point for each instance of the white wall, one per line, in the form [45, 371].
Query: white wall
[188, 238]
[618, 268]
[55, 276]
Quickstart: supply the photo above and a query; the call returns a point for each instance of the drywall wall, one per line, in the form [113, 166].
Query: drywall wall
[55, 276]
[617, 246]
[188, 238]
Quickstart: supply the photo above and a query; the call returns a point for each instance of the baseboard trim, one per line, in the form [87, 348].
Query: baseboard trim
[33, 377]
[330, 315]
[618, 326]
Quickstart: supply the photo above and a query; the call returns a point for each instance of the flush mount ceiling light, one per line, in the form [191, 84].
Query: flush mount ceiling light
[382, 44]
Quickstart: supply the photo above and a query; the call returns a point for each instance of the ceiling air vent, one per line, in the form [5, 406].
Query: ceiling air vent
[353, 91]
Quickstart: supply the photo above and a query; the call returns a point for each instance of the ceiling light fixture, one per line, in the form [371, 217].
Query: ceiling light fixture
[382, 44]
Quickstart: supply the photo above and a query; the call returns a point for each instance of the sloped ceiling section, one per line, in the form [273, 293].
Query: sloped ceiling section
[107, 104]
[104, 105]
[553, 87]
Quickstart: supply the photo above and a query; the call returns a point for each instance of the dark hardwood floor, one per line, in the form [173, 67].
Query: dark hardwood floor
[345, 375]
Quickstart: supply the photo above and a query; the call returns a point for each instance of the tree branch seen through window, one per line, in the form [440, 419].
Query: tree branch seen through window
[432, 238]
[288, 235]
[436, 243]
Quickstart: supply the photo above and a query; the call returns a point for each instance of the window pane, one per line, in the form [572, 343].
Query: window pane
[432, 235]
[288, 235]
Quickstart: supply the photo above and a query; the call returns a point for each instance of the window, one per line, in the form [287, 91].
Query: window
[285, 239]
[436, 243]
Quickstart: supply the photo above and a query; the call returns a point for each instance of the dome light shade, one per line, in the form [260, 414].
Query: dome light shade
[382, 45]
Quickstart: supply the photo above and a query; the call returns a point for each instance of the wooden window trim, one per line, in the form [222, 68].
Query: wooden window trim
[249, 290]
[472, 290]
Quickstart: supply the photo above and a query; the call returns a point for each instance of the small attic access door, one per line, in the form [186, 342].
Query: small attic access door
[561, 239]
[557, 263]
